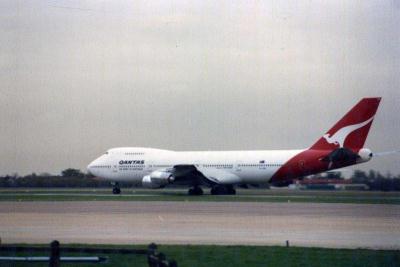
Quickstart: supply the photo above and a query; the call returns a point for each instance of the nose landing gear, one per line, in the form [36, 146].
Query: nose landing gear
[116, 189]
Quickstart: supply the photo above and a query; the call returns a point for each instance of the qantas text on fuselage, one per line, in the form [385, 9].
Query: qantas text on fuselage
[341, 146]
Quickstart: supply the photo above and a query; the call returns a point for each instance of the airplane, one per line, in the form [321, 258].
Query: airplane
[222, 171]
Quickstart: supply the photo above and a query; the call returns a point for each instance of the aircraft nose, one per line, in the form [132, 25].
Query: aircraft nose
[88, 169]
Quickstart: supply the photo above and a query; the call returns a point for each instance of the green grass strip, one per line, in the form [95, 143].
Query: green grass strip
[210, 256]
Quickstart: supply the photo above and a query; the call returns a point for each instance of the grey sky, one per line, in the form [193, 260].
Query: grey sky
[79, 77]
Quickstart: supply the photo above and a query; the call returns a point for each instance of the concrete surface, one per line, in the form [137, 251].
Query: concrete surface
[303, 224]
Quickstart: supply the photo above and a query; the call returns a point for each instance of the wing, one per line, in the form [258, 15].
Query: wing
[184, 174]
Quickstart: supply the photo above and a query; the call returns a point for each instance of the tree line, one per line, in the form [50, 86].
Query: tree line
[376, 181]
[68, 178]
[75, 178]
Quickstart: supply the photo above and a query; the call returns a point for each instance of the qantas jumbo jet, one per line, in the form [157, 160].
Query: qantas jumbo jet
[341, 146]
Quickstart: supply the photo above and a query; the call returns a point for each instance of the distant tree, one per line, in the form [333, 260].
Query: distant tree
[72, 173]
[372, 175]
[11, 181]
[359, 177]
[396, 183]
[5, 181]
[376, 181]
[69, 178]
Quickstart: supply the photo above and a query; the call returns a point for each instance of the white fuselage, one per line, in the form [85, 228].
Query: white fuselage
[132, 164]
[341, 146]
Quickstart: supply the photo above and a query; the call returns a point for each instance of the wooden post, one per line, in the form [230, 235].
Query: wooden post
[151, 255]
[54, 260]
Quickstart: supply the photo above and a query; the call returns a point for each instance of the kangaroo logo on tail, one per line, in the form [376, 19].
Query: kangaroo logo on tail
[340, 136]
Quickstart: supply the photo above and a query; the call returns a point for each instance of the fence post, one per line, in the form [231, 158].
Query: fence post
[161, 260]
[54, 260]
[151, 255]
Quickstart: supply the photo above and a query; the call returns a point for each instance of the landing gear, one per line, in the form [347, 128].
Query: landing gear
[195, 191]
[223, 190]
[116, 189]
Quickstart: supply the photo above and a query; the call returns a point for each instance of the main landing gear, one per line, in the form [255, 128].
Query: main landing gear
[223, 190]
[195, 191]
[116, 189]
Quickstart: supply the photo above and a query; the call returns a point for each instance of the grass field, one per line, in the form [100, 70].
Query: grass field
[243, 195]
[246, 256]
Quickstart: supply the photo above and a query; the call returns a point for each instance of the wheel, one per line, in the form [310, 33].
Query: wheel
[213, 191]
[218, 190]
[196, 191]
[116, 191]
[223, 190]
[232, 191]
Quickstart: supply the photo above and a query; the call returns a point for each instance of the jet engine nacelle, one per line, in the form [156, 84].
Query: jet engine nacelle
[364, 154]
[157, 179]
[147, 183]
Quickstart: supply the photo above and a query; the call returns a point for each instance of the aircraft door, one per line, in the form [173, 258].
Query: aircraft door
[238, 166]
[262, 165]
[115, 168]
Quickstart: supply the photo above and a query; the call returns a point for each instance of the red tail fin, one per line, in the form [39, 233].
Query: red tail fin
[352, 130]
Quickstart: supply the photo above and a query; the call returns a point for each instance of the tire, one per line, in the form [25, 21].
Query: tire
[231, 191]
[218, 190]
[213, 191]
[223, 190]
[116, 191]
[196, 191]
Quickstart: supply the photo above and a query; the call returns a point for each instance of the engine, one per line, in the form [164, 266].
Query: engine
[157, 179]
[364, 154]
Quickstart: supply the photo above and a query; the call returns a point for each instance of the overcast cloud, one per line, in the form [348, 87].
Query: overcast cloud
[79, 77]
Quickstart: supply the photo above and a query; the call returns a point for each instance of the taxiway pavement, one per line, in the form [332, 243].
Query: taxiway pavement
[238, 223]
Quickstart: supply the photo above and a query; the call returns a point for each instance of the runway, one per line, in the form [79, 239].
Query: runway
[238, 223]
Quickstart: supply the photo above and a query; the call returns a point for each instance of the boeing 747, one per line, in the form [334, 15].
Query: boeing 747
[222, 171]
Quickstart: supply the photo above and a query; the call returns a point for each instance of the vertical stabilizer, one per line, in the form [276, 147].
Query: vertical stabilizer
[352, 130]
